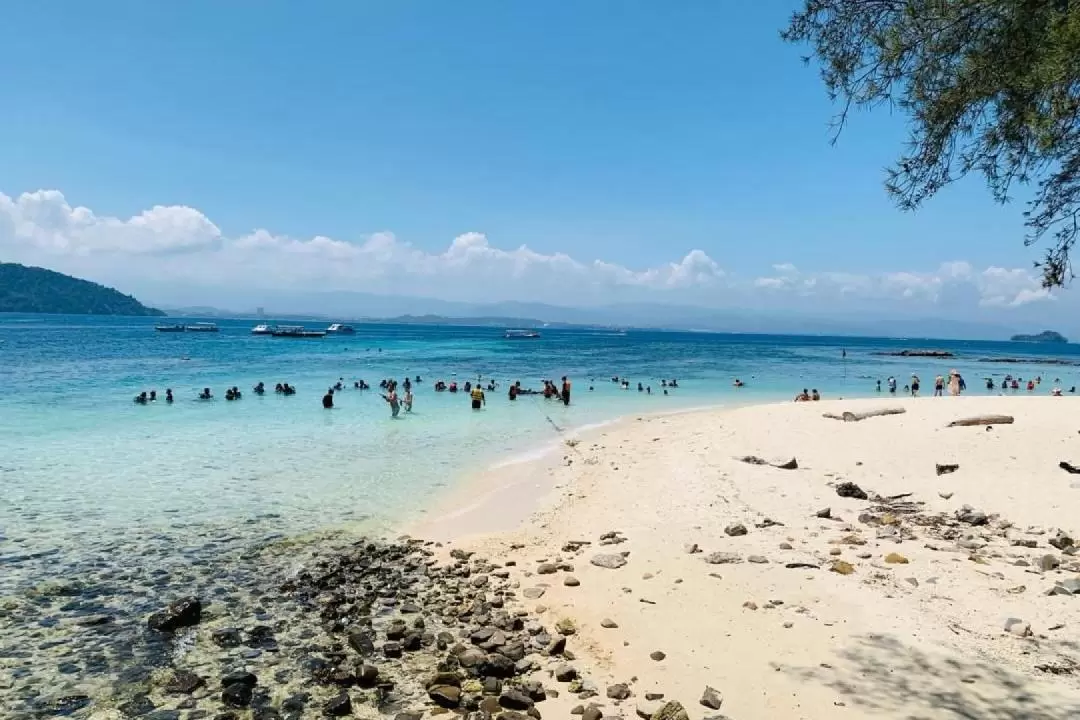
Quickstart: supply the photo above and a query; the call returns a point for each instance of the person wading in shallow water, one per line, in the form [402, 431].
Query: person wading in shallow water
[328, 399]
[565, 390]
[478, 399]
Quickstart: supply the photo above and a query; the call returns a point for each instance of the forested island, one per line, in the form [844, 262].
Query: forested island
[1046, 336]
[37, 290]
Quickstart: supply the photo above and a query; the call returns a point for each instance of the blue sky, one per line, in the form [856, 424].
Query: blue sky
[623, 131]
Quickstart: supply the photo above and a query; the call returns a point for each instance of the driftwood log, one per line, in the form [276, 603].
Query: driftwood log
[856, 417]
[983, 420]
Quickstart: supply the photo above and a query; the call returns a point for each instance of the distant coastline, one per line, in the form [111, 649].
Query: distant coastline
[25, 289]
[1046, 336]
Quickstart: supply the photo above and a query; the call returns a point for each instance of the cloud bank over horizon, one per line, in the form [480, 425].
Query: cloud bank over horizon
[180, 245]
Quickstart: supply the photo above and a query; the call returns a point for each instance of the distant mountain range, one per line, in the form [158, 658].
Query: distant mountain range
[37, 290]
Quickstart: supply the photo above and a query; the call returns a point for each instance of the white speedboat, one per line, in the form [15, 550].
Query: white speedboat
[205, 327]
[296, 331]
[341, 329]
[262, 329]
[521, 334]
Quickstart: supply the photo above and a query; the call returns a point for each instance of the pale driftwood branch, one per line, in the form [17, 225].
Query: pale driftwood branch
[983, 420]
[856, 417]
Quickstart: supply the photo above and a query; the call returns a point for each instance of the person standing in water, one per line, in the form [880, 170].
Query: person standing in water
[391, 397]
[565, 390]
[408, 397]
[478, 398]
[328, 399]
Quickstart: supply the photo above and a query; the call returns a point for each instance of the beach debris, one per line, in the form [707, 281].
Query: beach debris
[753, 460]
[750, 605]
[768, 523]
[723, 558]
[946, 469]
[571, 581]
[1018, 627]
[574, 545]
[791, 464]
[851, 490]
[711, 698]
[735, 529]
[856, 417]
[945, 495]
[1061, 540]
[802, 565]
[971, 516]
[691, 548]
[609, 624]
[671, 711]
[982, 420]
[824, 513]
[1063, 666]
[181, 613]
[657, 655]
[842, 567]
[894, 558]
[612, 537]
[1069, 467]
[611, 561]
[618, 691]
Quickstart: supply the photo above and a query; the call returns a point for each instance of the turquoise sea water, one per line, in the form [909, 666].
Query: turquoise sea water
[83, 468]
[108, 508]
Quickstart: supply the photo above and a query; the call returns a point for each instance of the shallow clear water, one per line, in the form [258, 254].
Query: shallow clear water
[84, 470]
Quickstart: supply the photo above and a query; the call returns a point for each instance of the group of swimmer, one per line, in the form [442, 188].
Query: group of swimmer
[143, 398]
[624, 384]
[957, 385]
[550, 391]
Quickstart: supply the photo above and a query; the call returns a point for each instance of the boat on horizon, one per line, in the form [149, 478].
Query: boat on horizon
[341, 329]
[205, 327]
[296, 331]
[521, 334]
[262, 329]
[170, 328]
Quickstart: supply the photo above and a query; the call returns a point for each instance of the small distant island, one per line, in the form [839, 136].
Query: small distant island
[1046, 336]
[26, 289]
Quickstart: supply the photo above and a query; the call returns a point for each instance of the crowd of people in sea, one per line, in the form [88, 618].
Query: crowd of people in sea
[957, 385]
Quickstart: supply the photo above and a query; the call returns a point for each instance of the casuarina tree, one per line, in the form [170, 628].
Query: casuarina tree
[990, 87]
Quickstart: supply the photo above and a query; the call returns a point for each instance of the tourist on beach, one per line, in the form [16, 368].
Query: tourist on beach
[939, 386]
[140, 399]
[229, 394]
[990, 383]
[640, 387]
[1031, 385]
[815, 395]
[391, 398]
[259, 388]
[168, 395]
[1056, 392]
[879, 385]
[407, 385]
[960, 379]
[206, 394]
[914, 386]
[408, 399]
[804, 396]
[738, 383]
[478, 398]
[513, 392]
[892, 385]
[153, 396]
[565, 390]
[954, 383]
[328, 399]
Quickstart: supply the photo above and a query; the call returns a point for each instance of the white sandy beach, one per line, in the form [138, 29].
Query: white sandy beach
[922, 639]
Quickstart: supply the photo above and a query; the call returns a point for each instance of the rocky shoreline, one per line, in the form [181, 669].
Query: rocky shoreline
[365, 629]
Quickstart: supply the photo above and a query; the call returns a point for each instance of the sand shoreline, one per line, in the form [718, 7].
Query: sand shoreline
[922, 638]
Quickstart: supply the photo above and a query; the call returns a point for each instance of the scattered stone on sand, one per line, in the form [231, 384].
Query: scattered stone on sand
[447, 696]
[842, 567]
[758, 559]
[565, 673]
[851, 490]
[338, 706]
[618, 691]
[712, 698]
[786, 546]
[691, 548]
[735, 529]
[791, 464]
[1061, 540]
[181, 613]
[657, 655]
[945, 495]
[894, 558]
[566, 626]
[946, 469]
[971, 516]
[1018, 627]
[592, 713]
[571, 581]
[182, 682]
[611, 561]
[533, 593]
[723, 558]
[547, 568]
[608, 623]
[646, 709]
[1047, 563]
[750, 605]
[753, 460]
[671, 711]
[824, 513]
[836, 551]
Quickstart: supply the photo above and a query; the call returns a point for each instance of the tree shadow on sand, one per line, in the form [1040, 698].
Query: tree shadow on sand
[879, 673]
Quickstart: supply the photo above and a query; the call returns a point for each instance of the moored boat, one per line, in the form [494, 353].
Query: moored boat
[169, 328]
[296, 331]
[521, 334]
[262, 329]
[202, 327]
[341, 329]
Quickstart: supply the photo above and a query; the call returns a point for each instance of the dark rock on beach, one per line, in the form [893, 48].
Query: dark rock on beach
[184, 612]
[851, 490]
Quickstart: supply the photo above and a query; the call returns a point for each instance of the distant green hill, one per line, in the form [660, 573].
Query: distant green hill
[37, 290]
[1046, 336]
